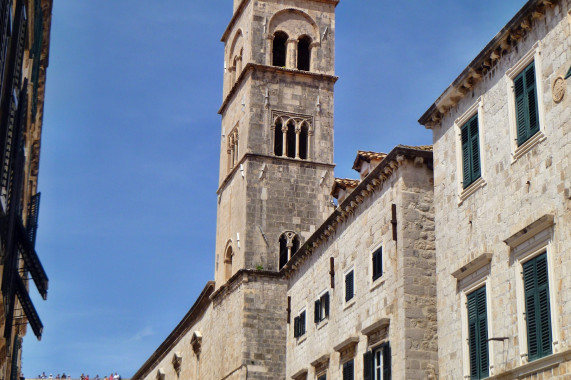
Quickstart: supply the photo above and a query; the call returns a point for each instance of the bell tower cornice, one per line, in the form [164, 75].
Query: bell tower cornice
[250, 67]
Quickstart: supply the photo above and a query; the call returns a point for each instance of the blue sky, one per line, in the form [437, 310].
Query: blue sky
[129, 157]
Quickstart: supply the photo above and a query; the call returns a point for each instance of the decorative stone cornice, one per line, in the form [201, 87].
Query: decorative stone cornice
[372, 182]
[504, 42]
[250, 67]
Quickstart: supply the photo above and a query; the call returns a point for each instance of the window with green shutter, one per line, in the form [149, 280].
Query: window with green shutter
[537, 309]
[348, 370]
[568, 73]
[471, 165]
[321, 308]
[527, 114]
[478, 334]
[349, 290]
[377, 263]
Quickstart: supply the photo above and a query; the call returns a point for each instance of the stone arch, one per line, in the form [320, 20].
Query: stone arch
[289, 243]
[236, 46]
[228, 258]
[295, 23]
[234, 59]
[279, 48]
[304, 43]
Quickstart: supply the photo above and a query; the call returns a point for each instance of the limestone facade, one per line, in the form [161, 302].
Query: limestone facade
[398, 307]
[518, 206]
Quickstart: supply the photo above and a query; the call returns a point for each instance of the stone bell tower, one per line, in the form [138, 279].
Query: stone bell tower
[276, 156]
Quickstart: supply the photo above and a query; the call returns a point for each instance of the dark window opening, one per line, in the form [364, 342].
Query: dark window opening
[303, 136]
[348, 370]
[303, 53]
[299, 325]
[279, 49]
[349, 290]
[377, 263]
[284, 256]
[278, 139]
[290, 139]
[321, 308]
[295, 245]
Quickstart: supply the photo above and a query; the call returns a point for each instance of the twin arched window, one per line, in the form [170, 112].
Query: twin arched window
[301, 51]
[289, 244]
[291, 138]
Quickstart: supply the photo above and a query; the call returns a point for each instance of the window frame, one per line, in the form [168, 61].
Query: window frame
[350, 301]
[484, 281]
[322, 307]
[476, 109]
[378, 248]
[479, 339]
[532, 56]
[521, 307]
[297, 327]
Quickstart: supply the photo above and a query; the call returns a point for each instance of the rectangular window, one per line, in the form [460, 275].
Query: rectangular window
[526, 107]
[322, 377]
[322, 308]
[299, 325]
[537, 308]
[349, 291]
[470, 151]
[348, 370]
[377, 363]
[478, 334]
[377, 263]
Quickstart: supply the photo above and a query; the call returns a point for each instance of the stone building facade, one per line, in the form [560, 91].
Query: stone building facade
[366, 281]
[455, 272]
[502, 177]
[24, 53]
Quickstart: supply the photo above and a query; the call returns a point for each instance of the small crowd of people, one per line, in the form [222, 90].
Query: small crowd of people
[82, 377]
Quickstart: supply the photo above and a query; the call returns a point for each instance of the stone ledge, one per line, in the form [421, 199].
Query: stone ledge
[535, 366]
[472, 266]
[543, 223]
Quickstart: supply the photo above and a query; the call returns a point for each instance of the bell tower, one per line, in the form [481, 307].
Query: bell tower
[276, 156]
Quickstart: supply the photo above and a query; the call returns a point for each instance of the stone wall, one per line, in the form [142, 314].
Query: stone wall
[516, 190]
[404, 294]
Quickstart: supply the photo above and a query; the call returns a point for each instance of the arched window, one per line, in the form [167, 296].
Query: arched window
[290, 139]
[279, 49]
[303, 136]
[278, 138]
[303, 53]
[289, 244]
[228, 263]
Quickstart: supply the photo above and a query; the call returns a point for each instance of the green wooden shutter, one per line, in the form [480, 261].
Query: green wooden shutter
[348, 370]
[471, 165]
[295, 327]
[531, 94]
[349, 286]
[537, 308]
[387, 362]
[368, 365]
[317, 312]
[302, 323]
[527, 112]
[568, 73]
[521, 109]
[326, 303]
[466, 154]
[478, 334]
[475, 149]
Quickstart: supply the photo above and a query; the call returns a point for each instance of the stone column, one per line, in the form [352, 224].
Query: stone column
[291, 57]
[297, 132]
[238, 66]
[284, 140]
[313, 56]
[309, 138]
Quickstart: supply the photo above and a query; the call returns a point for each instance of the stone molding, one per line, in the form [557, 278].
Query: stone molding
[347, 349]
[504, 42]
[472, 266]
[300, 375]
[543, 223]
[250, 67]
[377, 332]
[321, 364]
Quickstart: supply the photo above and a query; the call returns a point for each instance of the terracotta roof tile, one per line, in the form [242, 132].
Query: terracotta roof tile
[427, 148]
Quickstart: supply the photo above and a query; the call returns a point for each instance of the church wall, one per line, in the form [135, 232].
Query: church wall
[517, 190]
[405, 293]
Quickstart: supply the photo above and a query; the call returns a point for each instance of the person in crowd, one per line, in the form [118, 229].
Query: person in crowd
[63, 376]
[51, 376]
[57, 376]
